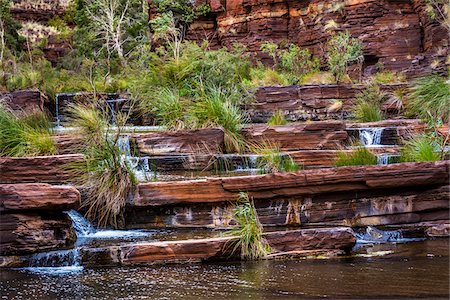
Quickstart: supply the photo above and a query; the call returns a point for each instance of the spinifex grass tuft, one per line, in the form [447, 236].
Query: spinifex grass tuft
[368, 104]
[423, 147]
[272, 160]
[277, 119]
[105, 175]
[25, 136]
[357, 157]
[251, 241]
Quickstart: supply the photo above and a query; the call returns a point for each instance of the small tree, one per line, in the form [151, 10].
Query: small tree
[343, 50]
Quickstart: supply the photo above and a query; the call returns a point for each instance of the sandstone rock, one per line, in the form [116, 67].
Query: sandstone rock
[29, 233]
[208, 140]
[43, 169]
[218, 248]
[25, 101]
[298, 136]
[308, 102]
[37, 196]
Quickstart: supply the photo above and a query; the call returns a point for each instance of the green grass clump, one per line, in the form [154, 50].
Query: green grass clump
[277, 119]
[251, 241]
[387, 77]
[425, 147]
[105, 176]
[368, 105]
[26, 136]
[430, 99]
[358, 157]
[272, 160]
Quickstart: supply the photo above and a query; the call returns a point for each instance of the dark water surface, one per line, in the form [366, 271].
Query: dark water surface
[413, 270]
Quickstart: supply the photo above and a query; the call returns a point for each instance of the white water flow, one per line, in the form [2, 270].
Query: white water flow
[372, 235]
[371, 137]
[383, 159]
[68, 261]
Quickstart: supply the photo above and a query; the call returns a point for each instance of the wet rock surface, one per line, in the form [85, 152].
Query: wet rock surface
[32, 217]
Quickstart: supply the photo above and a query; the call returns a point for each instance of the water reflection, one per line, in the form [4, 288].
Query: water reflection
[417, 269]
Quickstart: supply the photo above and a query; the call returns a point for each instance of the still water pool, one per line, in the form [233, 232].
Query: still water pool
[412, 270]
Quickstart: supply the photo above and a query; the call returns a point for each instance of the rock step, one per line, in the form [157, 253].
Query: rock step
[338, 238]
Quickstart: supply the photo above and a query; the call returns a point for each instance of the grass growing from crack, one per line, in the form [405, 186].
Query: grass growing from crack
[105, 175]
[249, 230]
[357, 157]
[424, 147]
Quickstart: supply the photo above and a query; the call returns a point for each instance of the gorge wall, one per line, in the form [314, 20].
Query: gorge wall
[398, 34]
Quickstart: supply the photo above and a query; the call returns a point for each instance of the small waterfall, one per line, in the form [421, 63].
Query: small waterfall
[85, 229]
[372, 235]
[80, 224]
[58, 121]
[61, 258]
[383, 159]
[371, 136]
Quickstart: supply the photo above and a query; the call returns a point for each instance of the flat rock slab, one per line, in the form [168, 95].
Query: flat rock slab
[24, 101]
[37, 169]
[298, 136]
[309, 182]
[37, 196]
[208, 140]
[338, 238]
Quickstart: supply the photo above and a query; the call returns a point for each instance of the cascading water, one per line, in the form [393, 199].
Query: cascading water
[371, 136]
[383, 159]
[372, 235]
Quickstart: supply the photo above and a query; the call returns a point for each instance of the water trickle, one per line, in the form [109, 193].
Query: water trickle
[371, 136]
[58, 121]
[80, 224]
[372, 235]
[383, 159]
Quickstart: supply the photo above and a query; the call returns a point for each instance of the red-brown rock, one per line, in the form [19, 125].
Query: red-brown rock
[25, 101]
[37, 196]
[44, 169]
[208, 140]
[30, 233]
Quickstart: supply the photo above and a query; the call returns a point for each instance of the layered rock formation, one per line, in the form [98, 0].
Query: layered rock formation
[370, 195]
[298, 136]
[393, 33]
[217, 248]
[310, 102]
[32, 218]
[24, 101]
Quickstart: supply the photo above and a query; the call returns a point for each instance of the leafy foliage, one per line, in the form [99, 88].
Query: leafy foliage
[343, 50]
[272, 160]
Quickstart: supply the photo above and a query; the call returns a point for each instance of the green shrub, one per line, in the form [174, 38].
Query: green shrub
[277, 119]
[387, 77]
[368, 104]
[343, 50]
[425, 147]
[430, 99]
[251, 241]
[358, 157]
[26, 136]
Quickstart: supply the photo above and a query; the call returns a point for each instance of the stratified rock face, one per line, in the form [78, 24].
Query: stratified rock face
[337, 238]
[29, 233]
[32, 218]
[310, 102]
[208, 140]
[398, 34]
[45, 169]
[360, 196]
[314, 135]
[24, 101]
